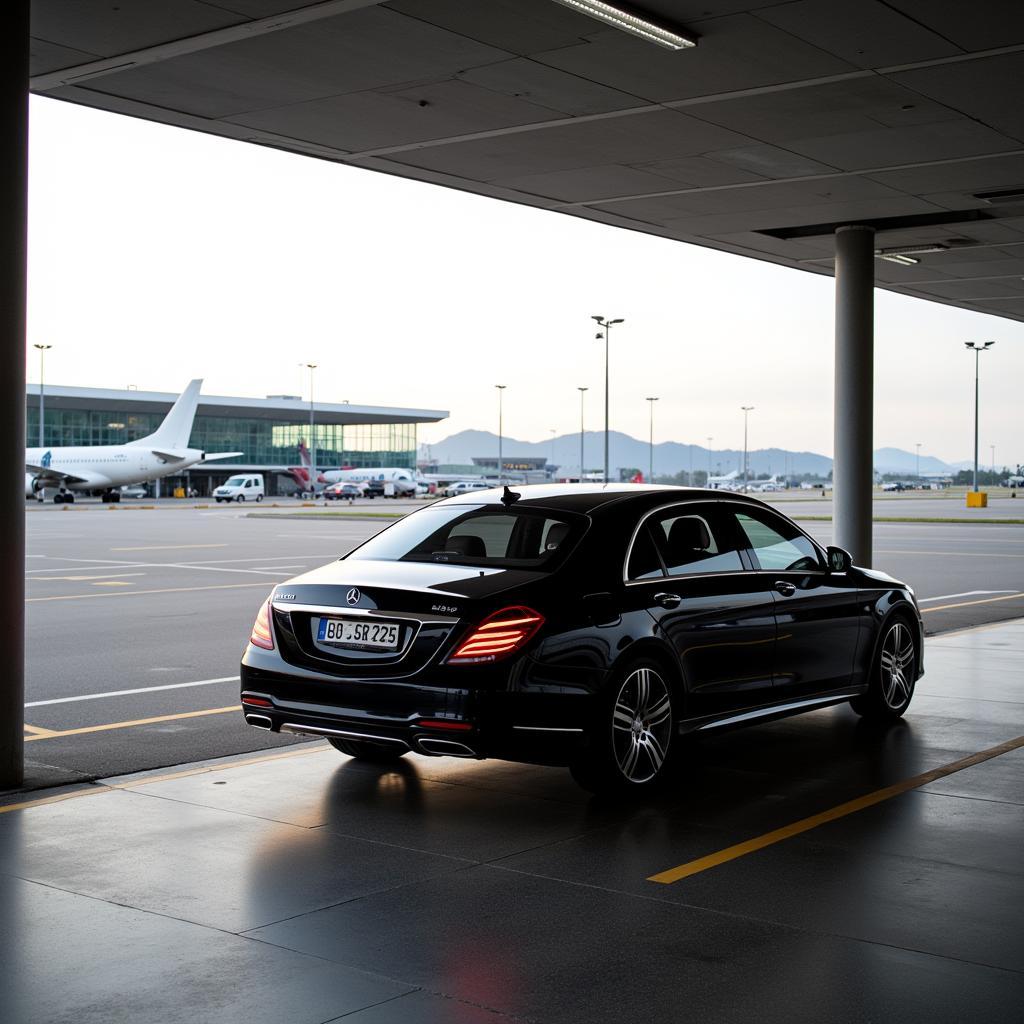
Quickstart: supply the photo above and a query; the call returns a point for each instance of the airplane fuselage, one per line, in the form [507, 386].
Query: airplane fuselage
[103, 466]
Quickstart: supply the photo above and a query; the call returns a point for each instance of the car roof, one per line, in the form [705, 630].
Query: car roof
[588, 497]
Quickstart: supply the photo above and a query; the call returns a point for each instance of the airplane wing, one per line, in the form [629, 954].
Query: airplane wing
[210, 456]
[55, 475]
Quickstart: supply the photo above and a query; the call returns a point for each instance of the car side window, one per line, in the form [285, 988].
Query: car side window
[644, 561]
[694, 540]
[777, 544]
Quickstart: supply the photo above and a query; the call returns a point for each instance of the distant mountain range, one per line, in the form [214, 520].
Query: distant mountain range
[670, 457]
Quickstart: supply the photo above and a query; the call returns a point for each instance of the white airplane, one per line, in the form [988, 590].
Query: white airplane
[376, 478]
[107, 467]
[730, 482]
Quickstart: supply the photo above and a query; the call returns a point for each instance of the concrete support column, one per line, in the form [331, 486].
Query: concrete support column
[852, 470]
[13, 249]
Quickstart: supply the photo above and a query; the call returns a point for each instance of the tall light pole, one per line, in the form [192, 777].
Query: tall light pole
[501, 464]
[650, 474]
[42, 388]
[582, 392]
[917, 471]
[707, 482]
[746, 411]
[607, 325]
[312, 437]
[976, 349]
[993, 447]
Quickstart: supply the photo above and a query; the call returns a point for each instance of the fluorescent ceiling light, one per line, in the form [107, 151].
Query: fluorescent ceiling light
[912, 249]
[628, 21]
[897, 257]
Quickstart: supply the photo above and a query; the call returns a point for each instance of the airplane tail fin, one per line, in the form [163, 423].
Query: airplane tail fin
[177, 425]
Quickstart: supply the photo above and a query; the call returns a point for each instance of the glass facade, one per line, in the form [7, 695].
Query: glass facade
[265, 442]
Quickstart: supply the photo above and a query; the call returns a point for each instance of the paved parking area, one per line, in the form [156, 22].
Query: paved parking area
[812, 869]
[137, 618]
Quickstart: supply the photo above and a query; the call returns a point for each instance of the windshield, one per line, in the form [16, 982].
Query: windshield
[235, 481]
[478, 535]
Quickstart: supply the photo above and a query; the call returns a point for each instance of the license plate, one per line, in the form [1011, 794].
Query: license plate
[358, 633]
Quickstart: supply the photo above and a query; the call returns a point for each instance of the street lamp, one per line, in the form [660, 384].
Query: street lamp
[746, 410]
[501, 465]
[650, 474]
[707, 482]
[312, 438]
[993, 447]
[917, 472]
[552, 432]
[582, 392]
[976, 349]
[42, 388]
[607, 325]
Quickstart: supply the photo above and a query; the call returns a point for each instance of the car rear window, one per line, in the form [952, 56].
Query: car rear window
[479, 535]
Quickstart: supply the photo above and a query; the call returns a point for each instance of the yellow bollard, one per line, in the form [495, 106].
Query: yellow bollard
[977, 499]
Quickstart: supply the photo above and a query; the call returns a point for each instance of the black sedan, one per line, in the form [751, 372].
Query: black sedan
[590, 626]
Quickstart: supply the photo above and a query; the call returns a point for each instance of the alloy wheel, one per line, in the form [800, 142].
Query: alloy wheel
[642, 725]
[897, 662]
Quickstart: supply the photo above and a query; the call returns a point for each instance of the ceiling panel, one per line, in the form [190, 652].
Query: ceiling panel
[324, 58]
[989, 89]
[855, 105]
[588, 183]
[370, 120]
[864, 32]
[739, 52]
[943, 141]
[44, 56]
[658, 135]
[107, 29]
[981, 25]
[549, 87]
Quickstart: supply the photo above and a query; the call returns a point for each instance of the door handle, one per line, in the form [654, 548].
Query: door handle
[668, 600]
[785, 588]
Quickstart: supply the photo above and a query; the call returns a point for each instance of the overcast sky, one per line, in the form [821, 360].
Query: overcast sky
[157, 255]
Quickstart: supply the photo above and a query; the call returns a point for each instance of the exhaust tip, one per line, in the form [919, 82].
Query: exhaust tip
[449, 748]
[260, 722]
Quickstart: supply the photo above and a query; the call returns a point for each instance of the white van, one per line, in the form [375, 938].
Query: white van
[244, 487]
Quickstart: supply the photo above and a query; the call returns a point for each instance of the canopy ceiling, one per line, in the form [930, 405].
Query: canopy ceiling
[786, 120]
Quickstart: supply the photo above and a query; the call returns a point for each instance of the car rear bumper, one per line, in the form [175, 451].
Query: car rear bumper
[539, 727]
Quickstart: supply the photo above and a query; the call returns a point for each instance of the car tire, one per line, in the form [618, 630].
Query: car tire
[893, 674]
[363, 750]
[259, 497]
[631, 741]
[240, 499]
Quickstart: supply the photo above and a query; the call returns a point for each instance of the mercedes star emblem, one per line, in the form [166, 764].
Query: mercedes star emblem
[353, 596]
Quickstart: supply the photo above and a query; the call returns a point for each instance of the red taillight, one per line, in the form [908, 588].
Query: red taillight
[498, 636]
[444, 723]
[256, 702]
[261, 635]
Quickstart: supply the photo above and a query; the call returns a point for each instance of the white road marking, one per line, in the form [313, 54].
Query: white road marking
[966, 593]
[77, 579]
[123, 693]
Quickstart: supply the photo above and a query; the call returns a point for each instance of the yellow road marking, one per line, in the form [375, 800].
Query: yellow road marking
[36, 730]
[964, 604]
[713, 860]
[54, 734]
[168, 547]
[136, 593]
[101, 788]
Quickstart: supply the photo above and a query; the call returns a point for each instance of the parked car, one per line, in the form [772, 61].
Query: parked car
[343, 492]
[243, 487]
[590, 627]
[464, 486]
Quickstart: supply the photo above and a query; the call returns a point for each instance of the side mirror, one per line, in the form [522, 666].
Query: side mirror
[839, 560]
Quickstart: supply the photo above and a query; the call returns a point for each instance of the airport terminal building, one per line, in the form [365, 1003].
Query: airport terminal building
[267, 430]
